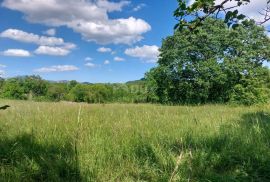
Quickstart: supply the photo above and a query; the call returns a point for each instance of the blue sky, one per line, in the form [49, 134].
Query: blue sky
[87, 40]
[93, 41]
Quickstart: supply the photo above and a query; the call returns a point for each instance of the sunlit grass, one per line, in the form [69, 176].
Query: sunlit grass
[118, 142]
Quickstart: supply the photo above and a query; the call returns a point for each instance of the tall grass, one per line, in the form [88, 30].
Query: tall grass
[118, 142]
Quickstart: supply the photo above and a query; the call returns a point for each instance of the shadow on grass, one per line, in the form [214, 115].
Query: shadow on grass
[25, 159]
[238, 153]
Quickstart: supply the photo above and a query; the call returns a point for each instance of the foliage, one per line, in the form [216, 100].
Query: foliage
[34, 88]
[213, 64]
[23, 87]
[57, 92]
[193, 15]
[12, 88]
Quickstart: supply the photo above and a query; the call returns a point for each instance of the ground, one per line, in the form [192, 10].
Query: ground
[133, 142]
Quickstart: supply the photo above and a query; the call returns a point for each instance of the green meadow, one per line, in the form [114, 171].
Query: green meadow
[133, 142]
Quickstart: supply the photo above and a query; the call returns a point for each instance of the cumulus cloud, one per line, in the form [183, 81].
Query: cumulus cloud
[57, 68]
[48, 45]
[139, 7]
[88, 59]
[2, 73]
[147, 53]
[90, 65]
[106, 62]
[50, 32]
[89, 18]
[118, 59]
[26, 37]
[52, 51]
[104, 49]
[16, 53]
[112, 6]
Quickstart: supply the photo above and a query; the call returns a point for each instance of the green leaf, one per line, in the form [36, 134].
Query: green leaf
[234, 26]
[241, 17]
[235, 12]
[228, 16]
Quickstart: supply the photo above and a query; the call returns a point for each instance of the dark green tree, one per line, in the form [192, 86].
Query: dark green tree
[56, 91]
[35, 86]
[72, 84]
[79, 93]
[13, 89]
[213, 64]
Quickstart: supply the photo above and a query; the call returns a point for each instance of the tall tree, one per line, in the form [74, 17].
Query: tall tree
[213, 64]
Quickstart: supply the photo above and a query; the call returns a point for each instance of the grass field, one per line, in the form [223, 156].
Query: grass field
[117, 142]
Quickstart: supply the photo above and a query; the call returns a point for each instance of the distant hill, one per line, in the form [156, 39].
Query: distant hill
[136, 82]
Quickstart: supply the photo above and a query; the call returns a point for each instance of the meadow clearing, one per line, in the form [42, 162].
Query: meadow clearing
[133, 142]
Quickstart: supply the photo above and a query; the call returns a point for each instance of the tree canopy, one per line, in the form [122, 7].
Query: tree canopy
[213, 64]
[193, 15]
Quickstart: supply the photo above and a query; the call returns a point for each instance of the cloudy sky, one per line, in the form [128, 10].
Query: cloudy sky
[85, 40]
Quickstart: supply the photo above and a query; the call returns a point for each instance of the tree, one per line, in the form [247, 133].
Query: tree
[2, 81]
[56, 91]
[79, 93]
[34, 85]
[72, 84]
[13, 89]
[212, 64]
[192, 16]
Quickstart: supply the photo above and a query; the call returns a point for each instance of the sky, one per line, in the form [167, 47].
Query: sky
[86, 40]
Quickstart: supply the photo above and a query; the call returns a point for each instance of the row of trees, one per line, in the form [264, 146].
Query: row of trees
[35, 88]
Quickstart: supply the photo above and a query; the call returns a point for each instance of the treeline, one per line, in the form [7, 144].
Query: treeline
[35, 88]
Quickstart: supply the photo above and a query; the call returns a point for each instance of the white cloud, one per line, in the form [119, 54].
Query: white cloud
[112, 6]
[106, 62]
[2, 73]
[148, 53]
[119, 59]
[22, 36]
[69, 46]
[26, 37]
[89, 18]
[50, 32]
[90, 65]
[104, 49]
[139, 7]
[57, 68]
[88, 59]
[16, 53]
[52, 51]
